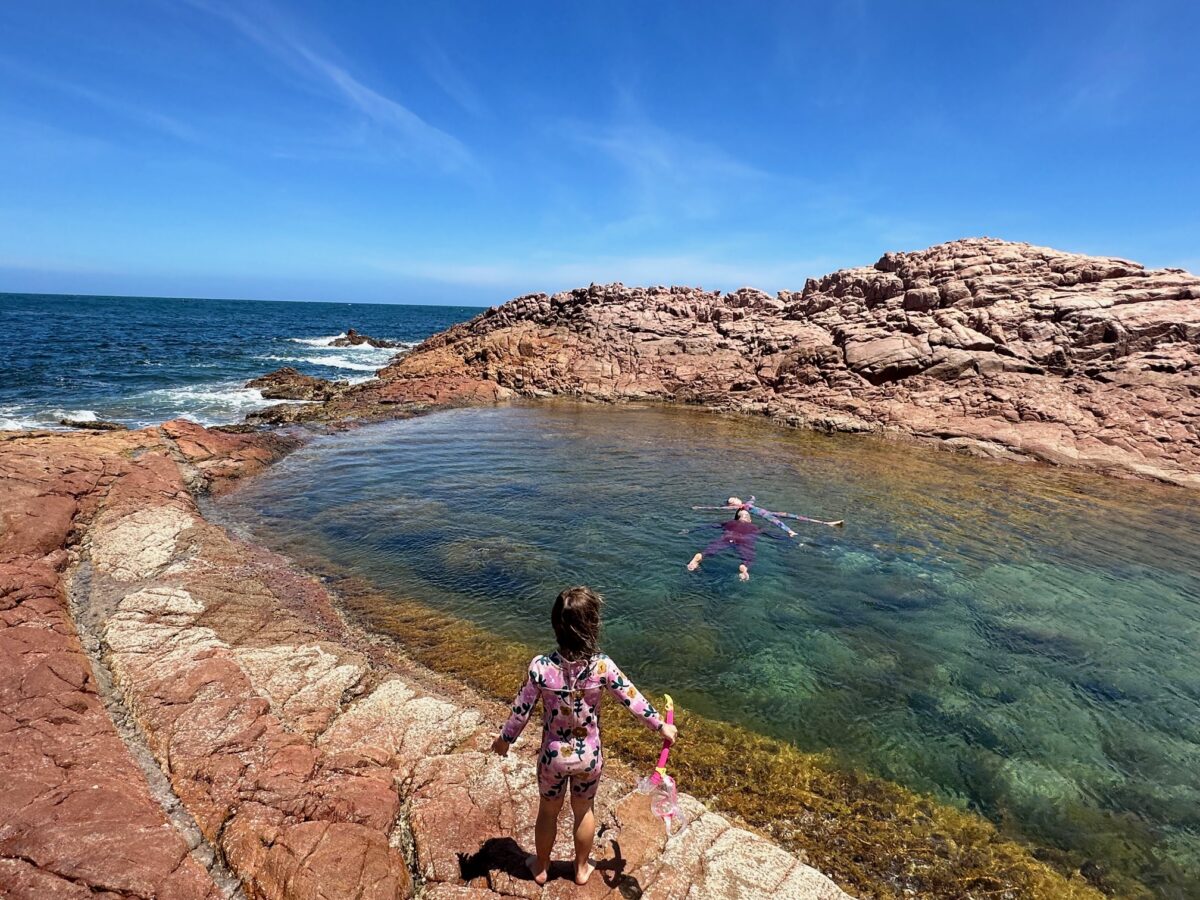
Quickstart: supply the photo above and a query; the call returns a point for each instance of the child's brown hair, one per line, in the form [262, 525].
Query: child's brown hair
[576, 621]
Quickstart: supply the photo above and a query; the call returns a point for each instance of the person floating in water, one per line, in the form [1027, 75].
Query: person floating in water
[570, 682]
[739, 533]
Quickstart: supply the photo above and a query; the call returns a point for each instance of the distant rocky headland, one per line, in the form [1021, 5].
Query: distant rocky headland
[999, 348]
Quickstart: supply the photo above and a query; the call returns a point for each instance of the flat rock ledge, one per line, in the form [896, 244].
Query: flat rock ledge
[185, 715]
[988, 346]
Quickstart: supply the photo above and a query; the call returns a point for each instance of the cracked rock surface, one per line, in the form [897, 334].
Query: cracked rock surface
[307, 761]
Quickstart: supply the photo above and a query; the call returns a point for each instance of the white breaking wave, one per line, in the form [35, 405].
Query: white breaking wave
[341, 362]
[319, 341]
[11, 419]
[327, 342]
[17, 418]
[331, 362]
[75, 415]
[208, 404]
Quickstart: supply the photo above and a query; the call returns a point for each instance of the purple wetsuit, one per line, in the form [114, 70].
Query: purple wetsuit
[570, 692]
[739, 535]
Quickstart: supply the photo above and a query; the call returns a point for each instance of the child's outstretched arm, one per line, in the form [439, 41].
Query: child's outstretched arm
[624, 692]
[522, 707]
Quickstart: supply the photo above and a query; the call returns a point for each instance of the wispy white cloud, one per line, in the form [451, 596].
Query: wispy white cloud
[40, 141]
[124, 109]
[667, 175]
[1097, 78]
[449, 77]
[406, 132]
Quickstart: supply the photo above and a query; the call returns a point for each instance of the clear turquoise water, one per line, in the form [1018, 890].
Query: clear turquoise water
[1014, 639]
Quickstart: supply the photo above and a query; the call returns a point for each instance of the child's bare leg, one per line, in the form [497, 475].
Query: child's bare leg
[585, 835]
[695, 563]
[545, 830]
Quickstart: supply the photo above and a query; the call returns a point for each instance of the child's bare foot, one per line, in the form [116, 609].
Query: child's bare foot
[538, 872]
[584, 872]
[692, 567]
[743, 573]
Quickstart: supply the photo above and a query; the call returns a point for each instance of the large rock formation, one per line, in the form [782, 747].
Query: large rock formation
[1002, 348]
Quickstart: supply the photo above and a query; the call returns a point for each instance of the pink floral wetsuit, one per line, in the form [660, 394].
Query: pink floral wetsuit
[570, 692]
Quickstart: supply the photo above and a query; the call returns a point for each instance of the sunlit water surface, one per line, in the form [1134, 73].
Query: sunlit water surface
[1014, 639]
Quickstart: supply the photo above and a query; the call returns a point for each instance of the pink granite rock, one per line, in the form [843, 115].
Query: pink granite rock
[919, 344]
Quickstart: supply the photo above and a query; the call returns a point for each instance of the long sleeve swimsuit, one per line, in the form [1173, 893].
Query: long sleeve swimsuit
[570, 692]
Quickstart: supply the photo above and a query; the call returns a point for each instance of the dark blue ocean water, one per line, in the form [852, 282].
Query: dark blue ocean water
[141, 360]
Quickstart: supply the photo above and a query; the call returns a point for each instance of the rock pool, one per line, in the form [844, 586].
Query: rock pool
[1013, 639]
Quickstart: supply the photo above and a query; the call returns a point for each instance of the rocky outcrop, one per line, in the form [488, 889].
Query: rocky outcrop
[395, 398]
[77, 817]
[290, 384]
[92, 424]
[185, 715]
[1001, 348]
[354, 339]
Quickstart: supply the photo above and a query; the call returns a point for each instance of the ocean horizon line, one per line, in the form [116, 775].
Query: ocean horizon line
[73, 295]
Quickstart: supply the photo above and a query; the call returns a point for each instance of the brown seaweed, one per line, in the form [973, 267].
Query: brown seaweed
[875, 838]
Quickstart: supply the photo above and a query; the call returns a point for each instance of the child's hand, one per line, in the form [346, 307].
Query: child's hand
[669, 733]
[500, 746]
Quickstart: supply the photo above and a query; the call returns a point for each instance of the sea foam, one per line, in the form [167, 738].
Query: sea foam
[341, 362]
[11, 419]
[75, 415]
[319, 341]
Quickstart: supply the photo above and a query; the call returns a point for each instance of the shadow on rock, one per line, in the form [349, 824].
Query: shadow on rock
[613, 873]
[506, 855]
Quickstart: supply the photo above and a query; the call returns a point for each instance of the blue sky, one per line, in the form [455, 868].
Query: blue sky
[454, 152]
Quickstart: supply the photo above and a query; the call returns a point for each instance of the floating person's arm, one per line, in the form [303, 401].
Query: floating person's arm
[623, 691]
[522, 707]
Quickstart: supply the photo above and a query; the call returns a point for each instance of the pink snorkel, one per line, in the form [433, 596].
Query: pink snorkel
[664, 800]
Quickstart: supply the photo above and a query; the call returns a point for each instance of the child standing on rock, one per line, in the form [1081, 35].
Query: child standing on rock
[570, 682]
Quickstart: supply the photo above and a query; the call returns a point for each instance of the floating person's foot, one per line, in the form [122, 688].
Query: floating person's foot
[539, 874]
[743, 573]
[695, 563]
[583, 874]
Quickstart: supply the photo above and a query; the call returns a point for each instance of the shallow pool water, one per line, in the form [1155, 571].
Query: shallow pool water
[1014, 639]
